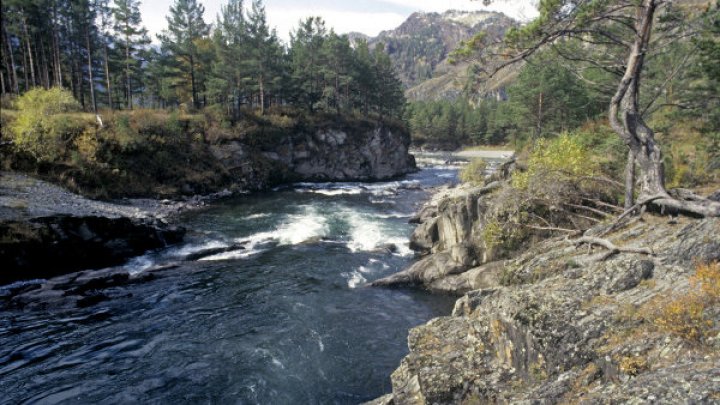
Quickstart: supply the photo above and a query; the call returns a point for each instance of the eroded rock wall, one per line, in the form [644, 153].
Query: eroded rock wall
[367, 154]
[48, 246]
[449, 237]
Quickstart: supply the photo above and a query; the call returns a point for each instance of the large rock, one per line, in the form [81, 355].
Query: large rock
[565, 325]
[450, 231]
[49, 246]
[358, 154]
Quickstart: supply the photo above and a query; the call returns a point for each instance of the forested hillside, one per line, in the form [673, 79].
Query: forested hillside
[89, 100]
[102, 53]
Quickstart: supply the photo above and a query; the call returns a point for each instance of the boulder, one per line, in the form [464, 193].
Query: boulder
[49, 246]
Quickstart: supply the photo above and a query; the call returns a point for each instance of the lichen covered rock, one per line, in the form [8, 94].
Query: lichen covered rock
[562, 324]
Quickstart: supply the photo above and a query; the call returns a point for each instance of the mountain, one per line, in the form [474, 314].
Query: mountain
[420, 46]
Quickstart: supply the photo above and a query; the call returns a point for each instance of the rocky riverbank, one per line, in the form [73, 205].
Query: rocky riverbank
[563, 322]
[160, 156]
[47, 231]
[367, 153]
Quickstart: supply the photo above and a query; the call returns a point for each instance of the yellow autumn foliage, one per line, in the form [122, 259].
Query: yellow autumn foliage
[565, 157]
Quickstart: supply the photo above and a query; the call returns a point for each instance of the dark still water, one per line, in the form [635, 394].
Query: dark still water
[286, 320]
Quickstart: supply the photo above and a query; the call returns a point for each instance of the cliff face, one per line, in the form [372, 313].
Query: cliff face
[421, 45]
[325, 155]
[561, 323]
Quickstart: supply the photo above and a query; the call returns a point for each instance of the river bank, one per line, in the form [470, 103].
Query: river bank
[561, 320]
[161, 155]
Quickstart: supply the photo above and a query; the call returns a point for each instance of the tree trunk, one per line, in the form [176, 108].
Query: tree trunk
[634, 131]
[262, 95]
[2, 83]
[90, 69]
[57, 61]
[127, 69]
[538, 127]
[192, 82]
[12, 77]
[24, 66]
[107, 74]
[45, 63]
[630, 181]
[30, 54]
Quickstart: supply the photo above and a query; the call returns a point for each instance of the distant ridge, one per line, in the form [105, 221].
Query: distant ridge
[420, 46]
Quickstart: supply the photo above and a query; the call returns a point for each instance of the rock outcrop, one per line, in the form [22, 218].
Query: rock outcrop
[46, 231]
[360, 154]
[566, 324]
[450, 240]
[49, 246]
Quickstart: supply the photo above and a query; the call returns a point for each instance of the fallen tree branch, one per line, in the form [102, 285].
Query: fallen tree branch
[616, 224]
[612, 248]
[552, 228]
[586, 208]
[603, 204]
[639, 204]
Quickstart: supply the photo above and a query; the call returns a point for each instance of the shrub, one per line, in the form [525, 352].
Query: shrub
[281, 121]
[564, 157]
[43, 125]
[687, 315]
[474, 172]
[47, 102]
[125, 135]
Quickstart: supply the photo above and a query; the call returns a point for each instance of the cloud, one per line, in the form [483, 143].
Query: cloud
[369, 23]
[369, 17]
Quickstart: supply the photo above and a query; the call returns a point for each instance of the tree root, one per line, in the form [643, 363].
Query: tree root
[612, 248]
[699, 208]
[691, 204]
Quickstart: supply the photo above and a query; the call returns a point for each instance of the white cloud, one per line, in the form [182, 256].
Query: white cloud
[369, 23]
[284, 19]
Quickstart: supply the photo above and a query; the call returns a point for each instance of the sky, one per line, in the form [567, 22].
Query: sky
[366, 16]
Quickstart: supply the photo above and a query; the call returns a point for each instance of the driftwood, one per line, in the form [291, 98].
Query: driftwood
[611, 247]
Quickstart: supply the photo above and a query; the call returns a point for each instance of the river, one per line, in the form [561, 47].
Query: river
[284, 320]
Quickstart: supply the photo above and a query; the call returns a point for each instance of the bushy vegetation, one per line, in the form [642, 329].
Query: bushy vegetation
[474, 172]
[690, 315]
[559, 185]
[43, 127]
[563, 159]
[146, 152]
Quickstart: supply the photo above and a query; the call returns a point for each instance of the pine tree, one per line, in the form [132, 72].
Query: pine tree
[263, 52]
[389, 96]
[186, 27]
[305, 48]
[338, 68]
[131, 36]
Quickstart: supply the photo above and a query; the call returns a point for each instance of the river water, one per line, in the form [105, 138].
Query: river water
[285, 320]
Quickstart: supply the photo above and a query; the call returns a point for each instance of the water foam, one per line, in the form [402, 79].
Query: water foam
[293, 230]
[354, 279]
[304, 227]
[368, 233]
[365, 234]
